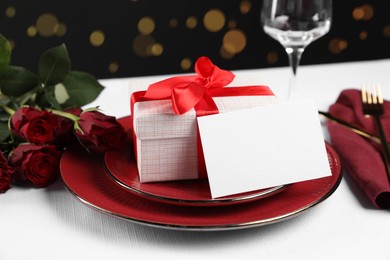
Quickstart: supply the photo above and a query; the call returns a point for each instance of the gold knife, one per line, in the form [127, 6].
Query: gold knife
[350, 126]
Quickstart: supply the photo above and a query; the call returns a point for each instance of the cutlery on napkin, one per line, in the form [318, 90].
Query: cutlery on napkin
[361, 157]
[351, 127]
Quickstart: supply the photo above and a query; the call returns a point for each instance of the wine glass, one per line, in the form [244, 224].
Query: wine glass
[295, 24]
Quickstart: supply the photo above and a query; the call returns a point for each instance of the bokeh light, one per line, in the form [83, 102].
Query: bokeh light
[156, 49]
[10, 12]
[363, 35]
[47, 24]
[186, 64]
[113, 67]
[337, 45]
[234, 41]
[32, 31]
[272, 57]
[214, 20]
[146, 25]
[173, 22]
[364, 12]
[142, 45]
[386, 31]
[245, 7]
[191, 22]
[97, 38]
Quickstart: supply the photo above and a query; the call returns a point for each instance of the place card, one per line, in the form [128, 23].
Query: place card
[252, 149]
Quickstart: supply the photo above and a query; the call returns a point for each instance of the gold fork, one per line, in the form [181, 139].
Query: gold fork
[372, 102]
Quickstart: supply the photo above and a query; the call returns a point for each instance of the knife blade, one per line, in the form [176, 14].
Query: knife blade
[351, 127]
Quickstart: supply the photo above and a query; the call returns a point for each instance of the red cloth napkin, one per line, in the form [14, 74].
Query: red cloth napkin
[360, 157]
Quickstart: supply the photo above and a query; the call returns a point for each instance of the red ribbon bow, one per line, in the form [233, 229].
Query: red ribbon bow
[187, 92]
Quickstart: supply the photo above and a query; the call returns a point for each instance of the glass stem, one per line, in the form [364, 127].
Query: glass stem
[294, 56]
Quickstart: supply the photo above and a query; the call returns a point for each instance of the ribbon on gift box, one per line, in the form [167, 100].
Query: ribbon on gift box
[197, 91]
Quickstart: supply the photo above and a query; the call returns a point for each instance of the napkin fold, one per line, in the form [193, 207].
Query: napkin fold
[361, 157]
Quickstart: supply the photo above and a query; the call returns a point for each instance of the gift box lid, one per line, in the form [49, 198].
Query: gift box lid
[156, 119]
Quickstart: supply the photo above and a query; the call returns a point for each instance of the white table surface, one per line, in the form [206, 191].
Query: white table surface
[52, 224]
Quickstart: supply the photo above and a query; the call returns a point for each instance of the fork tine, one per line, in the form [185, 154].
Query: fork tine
[369, 96]
[374, 95]
[364, 94]
[379, 93]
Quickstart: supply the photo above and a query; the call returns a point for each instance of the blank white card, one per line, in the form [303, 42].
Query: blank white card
[252, 149]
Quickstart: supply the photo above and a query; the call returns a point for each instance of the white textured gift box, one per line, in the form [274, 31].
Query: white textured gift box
[166, 143]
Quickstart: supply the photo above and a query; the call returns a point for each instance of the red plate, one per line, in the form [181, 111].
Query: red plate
[122, 168]
[84, 176]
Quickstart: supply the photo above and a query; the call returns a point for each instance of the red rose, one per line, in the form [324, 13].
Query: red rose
[99, 132]
[64, 133]
[38, 164]
[33, 125]
[6, 174]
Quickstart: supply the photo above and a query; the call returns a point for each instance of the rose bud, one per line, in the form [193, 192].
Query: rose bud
[64, 134]
[35, 163]
[6, 174]
[99, 132]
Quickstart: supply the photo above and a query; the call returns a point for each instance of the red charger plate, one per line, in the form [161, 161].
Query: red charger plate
[84, 175]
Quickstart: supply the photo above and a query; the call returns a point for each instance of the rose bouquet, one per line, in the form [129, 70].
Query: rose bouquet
[41, 115]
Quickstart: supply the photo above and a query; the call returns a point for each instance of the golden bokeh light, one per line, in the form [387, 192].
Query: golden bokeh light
[191, 22]
[142, 45]
[272, 57]
[47, 24]
[10, 12]
[363, 35]
[368, 11]
[358, 13]
[173, 23]
[386, 31]
[96, 38]
[214, 20]
[245, 6]
[234, 41]
[364, 12]
[113, 67]
[146, 25]
[224, 54]
[337, 45]
[32, 31]
[186, 64]
[61, 31]
[232, 24]
[157, 49]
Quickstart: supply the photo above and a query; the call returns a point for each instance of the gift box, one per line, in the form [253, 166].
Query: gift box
[166, 141]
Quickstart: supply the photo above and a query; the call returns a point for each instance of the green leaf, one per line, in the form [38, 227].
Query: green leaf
[5, 53]
[82, 88]
[40, 100]
[4, 116]
[4, 131]
[16, 81]
[54, 65]
[49, 96]
[4, 100]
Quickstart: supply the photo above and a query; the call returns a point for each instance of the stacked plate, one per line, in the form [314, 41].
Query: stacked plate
[110, 183]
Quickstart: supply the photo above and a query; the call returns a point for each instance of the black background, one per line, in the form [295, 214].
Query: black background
[118, 20]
